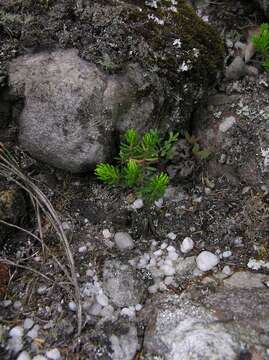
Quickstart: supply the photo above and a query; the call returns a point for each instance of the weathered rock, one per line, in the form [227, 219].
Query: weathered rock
[221, 325]
[247, 280]
[233, 147]
[264, 5]
[147, 67]
[236, 70]
[12, 210]
[121, 284]
[125, 346]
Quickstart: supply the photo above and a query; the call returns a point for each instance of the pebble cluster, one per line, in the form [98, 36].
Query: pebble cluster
[29, 330]
[165, 263]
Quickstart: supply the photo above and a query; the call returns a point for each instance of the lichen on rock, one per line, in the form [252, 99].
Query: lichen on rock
[162, 58]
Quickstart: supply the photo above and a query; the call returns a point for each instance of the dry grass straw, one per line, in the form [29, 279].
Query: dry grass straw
[10, 170]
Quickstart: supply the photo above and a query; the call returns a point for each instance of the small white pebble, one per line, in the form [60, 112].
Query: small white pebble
[186, 245]
[137, 204]
[168, 270]
[7, 303]
[66, 226]
[163, 246]
[16, 331]
[142, 264]
[89, 272]
[138, 307]
[53, 354]
[107, 234]
[171, 248]
[17, 305]
[15, 344]
[132, 262]
[172, 255]
[42, 290]
[168, 261]
[95, 309]
[197, 272]
[171, 236]
[227, 270]
[39, 357]
[227, 254]
[72, 306]
[102, 299]
[238, 242]
[130, 312]
[153, 289]
[33, 333]
[206, 261]
[107, 311]
[168, 280]
[177, 43]
[152, 262]
[82, 249]
[146, 256]
[162, 287]
[159, 203]
[123, 241]
[158, 253]
[24, 356]
[28, 323]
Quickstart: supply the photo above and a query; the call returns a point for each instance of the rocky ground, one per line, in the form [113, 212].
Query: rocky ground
[187, 278]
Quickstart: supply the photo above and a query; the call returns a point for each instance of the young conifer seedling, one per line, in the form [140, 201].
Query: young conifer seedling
[138, 162]
[261, 44]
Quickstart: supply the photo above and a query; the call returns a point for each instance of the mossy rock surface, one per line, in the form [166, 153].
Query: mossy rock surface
[179, 54]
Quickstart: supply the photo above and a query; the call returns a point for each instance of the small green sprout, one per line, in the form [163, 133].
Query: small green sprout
[261, 40]
[107, 173]
[138, 160]
[131, 173]
[261, 44]
[155, 188]
[197, 151]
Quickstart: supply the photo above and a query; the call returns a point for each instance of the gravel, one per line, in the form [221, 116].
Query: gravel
[24, 356]
[123, 241]
[187, 245]
[53, 354]
[16, 331]
[206, 261]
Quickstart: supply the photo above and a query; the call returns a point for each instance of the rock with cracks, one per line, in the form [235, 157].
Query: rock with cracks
[199, 324]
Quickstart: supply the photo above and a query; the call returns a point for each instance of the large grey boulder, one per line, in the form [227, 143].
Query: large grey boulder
[73, 109]
[146, 64]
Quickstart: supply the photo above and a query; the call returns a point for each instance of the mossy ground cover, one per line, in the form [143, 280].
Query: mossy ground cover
[113, 32]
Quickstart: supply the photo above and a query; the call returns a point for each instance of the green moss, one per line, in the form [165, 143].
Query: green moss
[184, 24]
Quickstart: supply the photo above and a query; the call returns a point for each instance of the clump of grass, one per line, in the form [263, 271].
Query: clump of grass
[10, 170]
[261, 44]
[138, 162]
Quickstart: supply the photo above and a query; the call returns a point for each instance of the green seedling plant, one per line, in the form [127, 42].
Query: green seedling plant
[200, 153]
[261, 44]
[139, 160]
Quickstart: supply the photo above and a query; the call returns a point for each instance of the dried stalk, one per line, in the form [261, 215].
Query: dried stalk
[9, 169]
